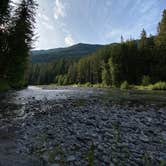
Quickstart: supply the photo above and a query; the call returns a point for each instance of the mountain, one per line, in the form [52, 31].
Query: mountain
[76, 51]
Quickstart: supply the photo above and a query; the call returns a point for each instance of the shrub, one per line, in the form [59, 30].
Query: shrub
[159, 86]
[88, 84]
[146, 80]
[124, 85]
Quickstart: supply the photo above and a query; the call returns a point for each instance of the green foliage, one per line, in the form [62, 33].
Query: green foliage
[61, 80]
[158, 86]
[88, 84]
[124, 85]
[146, 80]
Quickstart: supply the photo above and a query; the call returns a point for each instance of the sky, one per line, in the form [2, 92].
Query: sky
[62, 23]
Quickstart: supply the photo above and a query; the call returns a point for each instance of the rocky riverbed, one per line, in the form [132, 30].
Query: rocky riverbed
[81, 127]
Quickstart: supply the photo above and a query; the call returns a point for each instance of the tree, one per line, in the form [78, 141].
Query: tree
[4, 21]
[160, 57]
[122, 39]
[72, 73]
[4, 11]
[161, 38]
[20, 41]
[106, 76]
[143, 41]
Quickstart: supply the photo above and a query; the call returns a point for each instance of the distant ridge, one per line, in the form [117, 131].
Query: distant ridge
[76, 51]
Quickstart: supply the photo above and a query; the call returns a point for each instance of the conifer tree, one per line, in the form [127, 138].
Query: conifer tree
[161, 38]
[20, 41]
[143, 41]
[4, 19]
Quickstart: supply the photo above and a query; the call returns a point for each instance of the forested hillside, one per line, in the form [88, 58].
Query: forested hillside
[76, 52]
[132, 61]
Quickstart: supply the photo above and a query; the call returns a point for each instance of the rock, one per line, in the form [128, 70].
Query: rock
[71, 158]
[45, 156]
[56, 164]
[144, 138]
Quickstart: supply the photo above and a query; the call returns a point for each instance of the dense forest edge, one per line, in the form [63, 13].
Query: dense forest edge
[132, 63]
[125, 65]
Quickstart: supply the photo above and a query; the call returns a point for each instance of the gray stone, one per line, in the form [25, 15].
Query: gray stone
[71, 158]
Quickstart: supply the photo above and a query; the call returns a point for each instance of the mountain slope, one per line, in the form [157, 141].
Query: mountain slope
[75, 51]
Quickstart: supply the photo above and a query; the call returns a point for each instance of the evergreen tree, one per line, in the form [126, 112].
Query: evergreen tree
[4, 21]
[122, 39]
[160, 57]
[20, 41]
[106, 77]
[161, 38]
[143, 41]
[4, 11]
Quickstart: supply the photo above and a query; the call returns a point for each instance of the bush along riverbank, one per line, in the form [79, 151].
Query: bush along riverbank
[124, 86]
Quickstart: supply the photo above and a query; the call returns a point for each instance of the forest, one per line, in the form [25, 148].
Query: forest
[136, 62]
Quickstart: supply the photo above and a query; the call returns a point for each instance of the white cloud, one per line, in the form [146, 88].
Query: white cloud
[47, 25]
[43, 16]
[59, 10]
[69, 41]
[45, 21]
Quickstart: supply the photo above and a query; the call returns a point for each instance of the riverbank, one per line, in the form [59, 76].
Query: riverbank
[82, 126]
[160, 86]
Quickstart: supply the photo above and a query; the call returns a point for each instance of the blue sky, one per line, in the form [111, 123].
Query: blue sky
[62, 23]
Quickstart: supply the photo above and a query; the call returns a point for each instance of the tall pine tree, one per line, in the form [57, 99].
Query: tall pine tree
[161, 38]
[160, 69]
[4, 20]
[20, 41]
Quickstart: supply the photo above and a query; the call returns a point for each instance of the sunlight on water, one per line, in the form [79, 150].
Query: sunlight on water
[34, 88]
